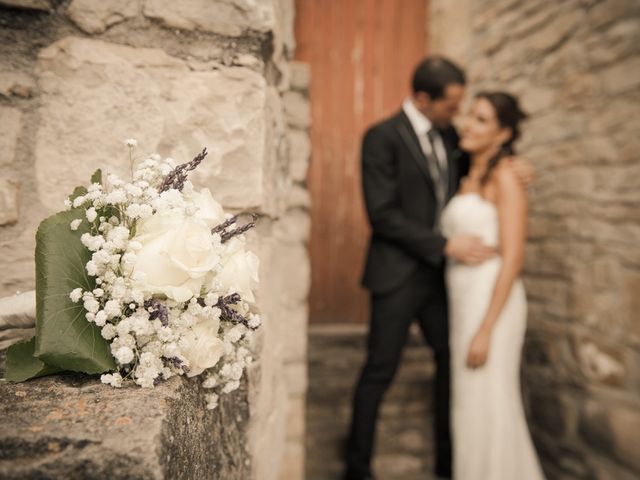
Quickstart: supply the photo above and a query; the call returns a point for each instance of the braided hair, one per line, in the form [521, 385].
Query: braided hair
[509, 116]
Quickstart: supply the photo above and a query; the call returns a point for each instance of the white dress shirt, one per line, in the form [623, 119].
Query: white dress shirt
[421, 125]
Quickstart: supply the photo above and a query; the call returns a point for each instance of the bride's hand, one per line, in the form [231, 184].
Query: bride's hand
[479, 349]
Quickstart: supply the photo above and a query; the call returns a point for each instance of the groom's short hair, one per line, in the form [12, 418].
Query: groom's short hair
[433, 74]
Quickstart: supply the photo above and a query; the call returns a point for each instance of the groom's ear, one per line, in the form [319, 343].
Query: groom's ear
[422, 100]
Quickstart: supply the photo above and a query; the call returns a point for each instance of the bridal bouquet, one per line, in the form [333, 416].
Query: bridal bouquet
[141, 281]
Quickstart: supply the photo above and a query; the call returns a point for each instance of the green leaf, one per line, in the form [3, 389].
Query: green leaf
[77, 192]
[97, 177]
[64, 337]
[21, 365]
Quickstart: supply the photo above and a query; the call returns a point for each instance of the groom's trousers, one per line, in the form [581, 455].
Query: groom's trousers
[423, 298]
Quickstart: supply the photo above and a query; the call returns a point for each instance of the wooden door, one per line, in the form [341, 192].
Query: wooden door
[362, 54]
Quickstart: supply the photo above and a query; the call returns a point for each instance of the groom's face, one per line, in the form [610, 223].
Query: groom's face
[441, 111]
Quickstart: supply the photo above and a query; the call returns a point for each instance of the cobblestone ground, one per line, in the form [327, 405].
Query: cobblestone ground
[404, 441]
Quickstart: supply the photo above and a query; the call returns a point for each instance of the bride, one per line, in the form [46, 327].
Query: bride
[487, 303]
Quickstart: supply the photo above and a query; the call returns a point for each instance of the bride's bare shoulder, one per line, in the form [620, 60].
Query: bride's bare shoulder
[507, 182]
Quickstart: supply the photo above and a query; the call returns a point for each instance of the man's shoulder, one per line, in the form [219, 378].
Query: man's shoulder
[385, 127]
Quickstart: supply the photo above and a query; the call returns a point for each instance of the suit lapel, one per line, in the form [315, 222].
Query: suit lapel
[409, 137]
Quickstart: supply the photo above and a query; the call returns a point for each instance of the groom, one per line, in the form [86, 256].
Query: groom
[411, 167]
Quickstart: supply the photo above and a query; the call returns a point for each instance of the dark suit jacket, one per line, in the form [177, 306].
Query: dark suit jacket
[401, 203]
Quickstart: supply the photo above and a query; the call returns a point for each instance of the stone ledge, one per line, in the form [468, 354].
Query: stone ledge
[72, 426]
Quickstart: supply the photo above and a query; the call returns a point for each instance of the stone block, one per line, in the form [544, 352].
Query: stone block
[297, 109]
[299, 197]
[18, 311]
[293, 274]
[300, 154]
[612, 429]
[10, 336]
[96, 17]
[11, 121]
[9, 201]
[293, 227]
[95, 94]
[296, 418]
[631, 301]
[399, 465]
[611, 11]
[554, 32]
[18, 274]
[283, 35]
[72, 426]
[232, 17]
[297, 380]
[300, 76]
[44, 5]
[601, 364]
[548, 412]
[622, 77]
[292, 465]
[268, 399]
[294, 333]
[553, 292]
[15, 83]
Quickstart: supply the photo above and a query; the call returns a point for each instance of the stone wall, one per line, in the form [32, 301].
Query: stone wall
[576, 66]
[77, 77]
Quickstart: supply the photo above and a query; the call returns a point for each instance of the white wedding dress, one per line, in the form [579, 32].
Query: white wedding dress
[491, 439]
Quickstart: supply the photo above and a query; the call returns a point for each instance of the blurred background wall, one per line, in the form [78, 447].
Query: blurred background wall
[575, 64]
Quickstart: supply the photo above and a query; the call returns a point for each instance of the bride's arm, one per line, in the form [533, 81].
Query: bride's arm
[512, 212]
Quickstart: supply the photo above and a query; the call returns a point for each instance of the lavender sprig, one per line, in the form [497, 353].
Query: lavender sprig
[158, 311]
[176, 177]
[229, 313]
[178, 363]
[228, 235]
[225, 224]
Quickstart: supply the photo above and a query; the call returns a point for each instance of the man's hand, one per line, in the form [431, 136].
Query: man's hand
[524, 170]
[468, 249]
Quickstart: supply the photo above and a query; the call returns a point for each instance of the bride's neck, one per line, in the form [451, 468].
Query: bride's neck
[480, 160]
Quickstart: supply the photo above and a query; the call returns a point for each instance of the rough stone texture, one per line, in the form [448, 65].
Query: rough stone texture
[14, 83]
[300, 154]
[452, 36]
[9, 193]
[96, 17]
[11, 121]
[160, 101]
[297, 109]
[575, 65]
[72, 426]
[226, 17]
[44, 5]
[177, 76]
[404, 439]
[300, 76]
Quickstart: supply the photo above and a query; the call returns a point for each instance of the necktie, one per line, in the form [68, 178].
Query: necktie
[441, 179]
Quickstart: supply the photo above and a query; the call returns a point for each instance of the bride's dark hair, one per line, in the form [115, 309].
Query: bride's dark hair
[509, 115]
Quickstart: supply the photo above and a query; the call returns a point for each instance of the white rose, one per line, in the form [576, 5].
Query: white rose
[175, 256]
[239, 272]
[201, 346]
[207, 208]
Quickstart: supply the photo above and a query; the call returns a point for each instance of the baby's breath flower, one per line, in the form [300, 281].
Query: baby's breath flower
[75, 295]
[113, 379]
